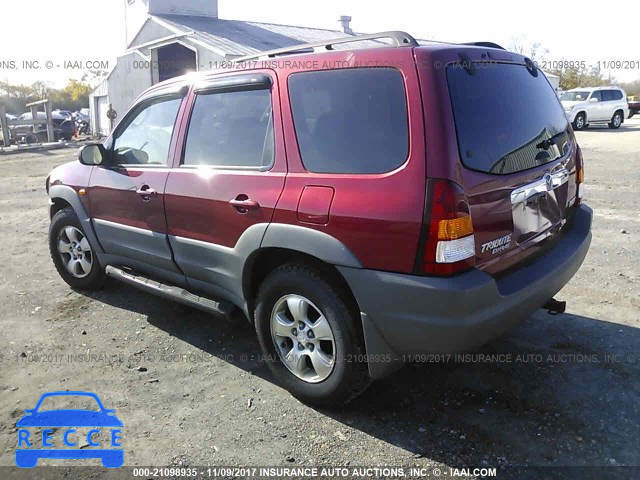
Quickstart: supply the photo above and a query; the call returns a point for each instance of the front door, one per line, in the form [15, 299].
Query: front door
[126, 195]
[222, 196]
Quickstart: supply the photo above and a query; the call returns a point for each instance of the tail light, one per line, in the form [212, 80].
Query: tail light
[579, 176]
[448, 244]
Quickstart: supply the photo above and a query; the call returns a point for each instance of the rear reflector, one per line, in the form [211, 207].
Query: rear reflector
[579, 176]
[456, 250]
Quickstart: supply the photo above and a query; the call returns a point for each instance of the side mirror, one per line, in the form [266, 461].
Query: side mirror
[92, 154]
[593, 100]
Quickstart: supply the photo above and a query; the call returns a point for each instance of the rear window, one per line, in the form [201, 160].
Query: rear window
[506, 119]
[351, 120]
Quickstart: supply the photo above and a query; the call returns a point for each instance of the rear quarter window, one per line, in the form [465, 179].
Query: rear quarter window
[351, 120]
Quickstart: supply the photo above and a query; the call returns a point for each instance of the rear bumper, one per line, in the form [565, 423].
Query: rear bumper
[407, 314]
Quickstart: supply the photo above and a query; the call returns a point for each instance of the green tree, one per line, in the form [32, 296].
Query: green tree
[578, 76]
[78, 90]
[632, 88]
[73, 97]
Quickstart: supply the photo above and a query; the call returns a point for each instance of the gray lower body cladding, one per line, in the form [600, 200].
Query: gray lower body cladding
[407, 314]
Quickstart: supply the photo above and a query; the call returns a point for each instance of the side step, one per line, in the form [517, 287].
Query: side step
[176, 294]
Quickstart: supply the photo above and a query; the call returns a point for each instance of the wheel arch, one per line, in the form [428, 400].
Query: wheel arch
[266, 259]
[621, 112]
[56, 204]
[63, 196]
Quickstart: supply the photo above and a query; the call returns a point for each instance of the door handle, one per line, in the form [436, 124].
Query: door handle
[243, 204]
[146, 192]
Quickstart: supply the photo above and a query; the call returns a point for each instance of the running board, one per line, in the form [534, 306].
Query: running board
[170, 292]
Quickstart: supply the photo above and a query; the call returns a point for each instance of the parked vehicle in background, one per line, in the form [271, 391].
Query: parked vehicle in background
[63, 128]
[317, 200]
[79, 115]
[81, 118]
[584, 106]
[634, 105]
[82, 126]
[64, 113]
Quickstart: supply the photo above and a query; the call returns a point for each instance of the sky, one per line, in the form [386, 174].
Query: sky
[78, 31]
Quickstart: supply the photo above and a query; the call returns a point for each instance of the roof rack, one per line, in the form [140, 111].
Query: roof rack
[485, 44]
[401, 39]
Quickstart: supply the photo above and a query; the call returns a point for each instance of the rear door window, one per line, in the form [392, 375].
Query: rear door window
[607, 95]
[231, 129]
[506, 119]
[351, 120]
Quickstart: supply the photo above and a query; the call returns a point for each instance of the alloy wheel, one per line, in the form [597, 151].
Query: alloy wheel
[75, 251]
[303, 338]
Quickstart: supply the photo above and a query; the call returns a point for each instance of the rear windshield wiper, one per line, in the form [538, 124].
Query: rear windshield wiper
[549, 142]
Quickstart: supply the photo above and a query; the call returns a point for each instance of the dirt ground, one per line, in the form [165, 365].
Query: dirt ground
[568, 393]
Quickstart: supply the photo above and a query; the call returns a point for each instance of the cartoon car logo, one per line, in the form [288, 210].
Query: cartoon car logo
[68, 425]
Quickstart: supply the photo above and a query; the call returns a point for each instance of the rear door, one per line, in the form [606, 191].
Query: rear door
[221, 197]
[613, 101]
[514, 151]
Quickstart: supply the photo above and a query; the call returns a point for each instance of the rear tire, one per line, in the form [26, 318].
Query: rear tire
[72, 254]
[295, 301]
[616, 120]
[580, 122]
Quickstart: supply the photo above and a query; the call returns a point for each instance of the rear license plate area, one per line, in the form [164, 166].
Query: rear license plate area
[539, 206]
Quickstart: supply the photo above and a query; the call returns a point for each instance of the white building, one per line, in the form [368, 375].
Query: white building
[554, 80]
[167, 38]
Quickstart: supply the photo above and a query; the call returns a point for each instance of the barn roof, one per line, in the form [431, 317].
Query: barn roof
[233, 38]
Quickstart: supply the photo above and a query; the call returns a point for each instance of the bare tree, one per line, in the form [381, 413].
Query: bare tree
[533, 50]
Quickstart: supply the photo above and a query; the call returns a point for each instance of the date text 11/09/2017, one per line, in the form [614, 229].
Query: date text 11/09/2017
[313, 472]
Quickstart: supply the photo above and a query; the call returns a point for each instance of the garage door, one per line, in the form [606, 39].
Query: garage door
[103, 120]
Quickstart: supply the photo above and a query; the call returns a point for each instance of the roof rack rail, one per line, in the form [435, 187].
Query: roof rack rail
[485, 44]
[401, 39]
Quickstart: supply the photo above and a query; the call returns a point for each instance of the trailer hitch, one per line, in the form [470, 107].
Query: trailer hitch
[554, 307]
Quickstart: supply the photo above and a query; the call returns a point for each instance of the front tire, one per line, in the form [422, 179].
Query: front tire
[72, 254]
[580, 122]
[310, 335]
[616, 120]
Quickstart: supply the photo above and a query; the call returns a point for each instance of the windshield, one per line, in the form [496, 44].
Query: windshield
[574, 96]
[506, 119]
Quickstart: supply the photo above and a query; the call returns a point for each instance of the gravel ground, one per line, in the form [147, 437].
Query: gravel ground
[566, 392]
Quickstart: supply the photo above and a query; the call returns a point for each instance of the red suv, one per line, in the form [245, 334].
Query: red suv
[359, 206]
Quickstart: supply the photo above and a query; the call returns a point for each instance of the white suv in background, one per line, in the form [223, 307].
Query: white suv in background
[595, 105]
